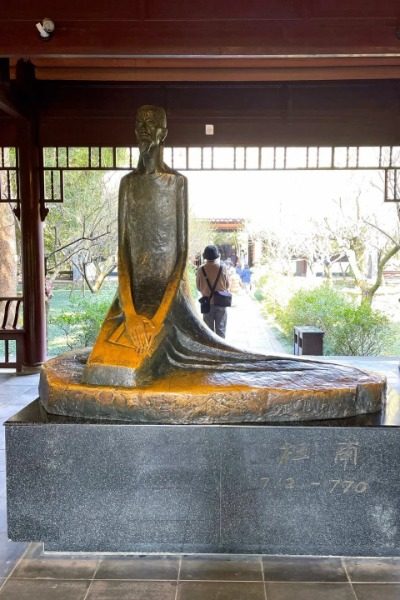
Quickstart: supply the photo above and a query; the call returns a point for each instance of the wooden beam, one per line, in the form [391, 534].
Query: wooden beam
[217, 69]
[7, 105]
[150, 10]
[116, 37]
[273, 113]
[228, 40]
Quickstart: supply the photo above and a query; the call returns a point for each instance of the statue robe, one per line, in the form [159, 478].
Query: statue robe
[153, 292]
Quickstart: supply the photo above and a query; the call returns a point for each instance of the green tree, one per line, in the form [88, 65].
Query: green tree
[8, 252]
[9, 227]
[83, 229]
[200, 235]
[367, 233]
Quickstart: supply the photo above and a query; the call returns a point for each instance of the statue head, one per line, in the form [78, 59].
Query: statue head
[151, 127]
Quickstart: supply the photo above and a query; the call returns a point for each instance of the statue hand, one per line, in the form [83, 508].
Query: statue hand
[141, 332]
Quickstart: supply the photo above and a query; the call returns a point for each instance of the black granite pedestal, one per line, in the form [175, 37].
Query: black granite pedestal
[320, 489]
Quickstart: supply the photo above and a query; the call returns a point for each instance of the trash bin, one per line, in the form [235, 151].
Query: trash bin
[308, 340]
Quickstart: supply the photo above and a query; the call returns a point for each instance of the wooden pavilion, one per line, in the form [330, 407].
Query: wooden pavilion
[277, 73]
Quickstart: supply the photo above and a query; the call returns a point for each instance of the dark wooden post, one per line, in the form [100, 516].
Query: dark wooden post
[32, 248]
[32, 242]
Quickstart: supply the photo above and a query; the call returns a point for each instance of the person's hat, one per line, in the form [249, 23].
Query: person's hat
[210, 253]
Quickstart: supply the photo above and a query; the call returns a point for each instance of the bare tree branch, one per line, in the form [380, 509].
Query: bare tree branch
[385, 233]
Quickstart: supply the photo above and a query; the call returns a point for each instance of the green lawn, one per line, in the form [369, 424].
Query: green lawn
[77, 313]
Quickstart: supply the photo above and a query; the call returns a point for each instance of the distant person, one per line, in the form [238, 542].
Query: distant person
[245, 276]
[48, 289]
[217, 317]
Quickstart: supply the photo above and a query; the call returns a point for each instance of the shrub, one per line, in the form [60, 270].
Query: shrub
[191, 275]
[274, 290]
[321, 307]
[81, 322]
[363, 332]
[349, 329]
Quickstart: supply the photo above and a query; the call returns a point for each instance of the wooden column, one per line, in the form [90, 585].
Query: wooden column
[32, 246]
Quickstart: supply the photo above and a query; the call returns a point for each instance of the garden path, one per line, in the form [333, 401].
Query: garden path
[248, 329]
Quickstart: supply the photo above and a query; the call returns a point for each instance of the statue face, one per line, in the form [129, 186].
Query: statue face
[149, 130]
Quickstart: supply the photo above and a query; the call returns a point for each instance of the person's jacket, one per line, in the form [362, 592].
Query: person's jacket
[211, 268]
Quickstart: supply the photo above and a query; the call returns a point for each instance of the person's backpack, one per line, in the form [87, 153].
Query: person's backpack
[223, 298]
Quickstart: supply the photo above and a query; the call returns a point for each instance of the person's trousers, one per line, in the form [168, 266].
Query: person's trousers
[216, 319]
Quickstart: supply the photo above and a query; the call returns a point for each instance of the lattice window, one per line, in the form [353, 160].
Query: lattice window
[392, 185]
[239, 158]
[9, 181]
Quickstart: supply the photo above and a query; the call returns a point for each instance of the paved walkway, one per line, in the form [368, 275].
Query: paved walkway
[248, 329]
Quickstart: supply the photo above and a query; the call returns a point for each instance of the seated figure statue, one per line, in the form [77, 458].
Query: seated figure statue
[154, 359]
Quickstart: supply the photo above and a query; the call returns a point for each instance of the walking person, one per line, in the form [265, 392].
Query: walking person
[245, 276]
[217, 276]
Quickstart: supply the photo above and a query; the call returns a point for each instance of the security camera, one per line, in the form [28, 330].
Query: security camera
[45, 28]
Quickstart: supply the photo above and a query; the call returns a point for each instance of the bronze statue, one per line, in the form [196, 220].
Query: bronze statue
[154, 360]
[152, 217]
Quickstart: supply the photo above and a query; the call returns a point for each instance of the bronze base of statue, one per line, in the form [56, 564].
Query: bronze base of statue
[198, 396]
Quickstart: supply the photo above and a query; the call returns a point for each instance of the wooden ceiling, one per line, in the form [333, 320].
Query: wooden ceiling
[262, 71]
[259, 114]
[205, 40]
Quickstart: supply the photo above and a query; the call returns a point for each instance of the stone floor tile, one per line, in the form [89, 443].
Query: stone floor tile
[32, 392]
[132, 567]
[218, 590]
[309, 591]
[303, 568]
[7, 565]
[55, 567]
[3, 514]
[218, 568]
[9, 411]
[35, 551]
[10, 390]
[131, 590]
[11, 408]
[10, 552]
[377, 591]
[31, 589]
[373, 569]
[15, 396]
[22, 380]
